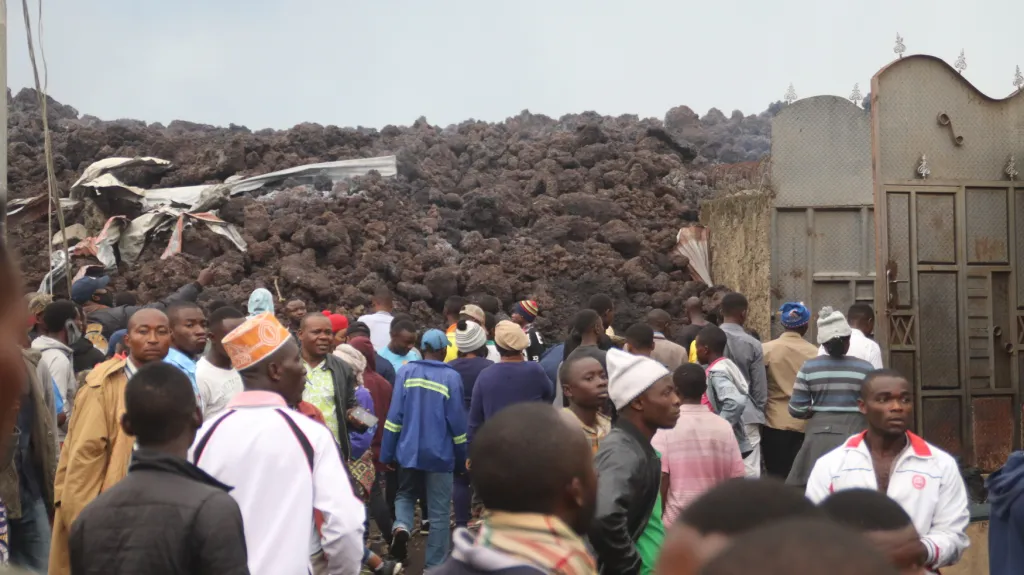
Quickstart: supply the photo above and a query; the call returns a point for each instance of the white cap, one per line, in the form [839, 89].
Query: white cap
[630, 375]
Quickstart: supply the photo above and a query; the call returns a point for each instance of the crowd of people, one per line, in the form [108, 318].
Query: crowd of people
[253, 437]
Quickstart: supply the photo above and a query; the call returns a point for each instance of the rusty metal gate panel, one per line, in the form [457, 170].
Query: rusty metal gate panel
[822, 234]
[951, 251]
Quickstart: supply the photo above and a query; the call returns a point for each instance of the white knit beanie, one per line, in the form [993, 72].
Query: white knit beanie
[832, 324]
[630, 375]
[470, 339]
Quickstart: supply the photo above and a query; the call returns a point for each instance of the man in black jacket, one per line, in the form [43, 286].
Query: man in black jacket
[330, 383]
[167, 517]
[628, 466]
[92, 294]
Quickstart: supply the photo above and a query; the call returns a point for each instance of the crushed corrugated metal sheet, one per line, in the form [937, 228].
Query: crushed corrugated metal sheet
[692, 242]
[172, 208]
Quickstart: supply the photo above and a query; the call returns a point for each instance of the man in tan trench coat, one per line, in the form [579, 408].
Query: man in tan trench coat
[96, 451]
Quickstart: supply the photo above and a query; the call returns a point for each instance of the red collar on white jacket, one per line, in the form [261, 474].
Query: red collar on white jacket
[919, 445]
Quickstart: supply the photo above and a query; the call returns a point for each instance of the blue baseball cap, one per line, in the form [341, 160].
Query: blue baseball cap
[83, 289]
[434, 340]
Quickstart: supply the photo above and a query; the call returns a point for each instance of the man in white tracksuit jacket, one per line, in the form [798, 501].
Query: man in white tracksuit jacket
[922, 478]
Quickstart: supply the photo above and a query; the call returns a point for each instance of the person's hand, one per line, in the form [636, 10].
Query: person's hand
[206, 276]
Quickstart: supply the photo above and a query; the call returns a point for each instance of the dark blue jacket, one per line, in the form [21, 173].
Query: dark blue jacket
[1006, 522]
[385, 369]
[426, 425]
[505, 384]
[551, 359]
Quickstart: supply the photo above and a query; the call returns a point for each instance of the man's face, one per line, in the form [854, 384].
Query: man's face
[289, 376]
[888, 405]
[189, 330]
[221, 329]
[869, 326]
[104, 297]
[587, 384]
[295, 310]
[901, 547]
[516, 317]
[402, 342]
[149, 336]
[702, 351]
[338, 339]
[316, 336]
[660, 404]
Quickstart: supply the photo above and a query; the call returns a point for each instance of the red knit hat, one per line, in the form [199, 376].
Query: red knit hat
[339, 323]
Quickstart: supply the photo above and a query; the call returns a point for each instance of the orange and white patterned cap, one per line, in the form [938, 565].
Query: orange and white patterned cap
[256, 339]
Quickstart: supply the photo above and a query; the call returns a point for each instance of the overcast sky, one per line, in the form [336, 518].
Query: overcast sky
[275, 63]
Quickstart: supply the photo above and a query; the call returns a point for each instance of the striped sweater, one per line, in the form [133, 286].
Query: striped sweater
[827, 384]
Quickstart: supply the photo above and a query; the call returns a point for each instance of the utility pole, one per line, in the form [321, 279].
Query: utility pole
[3, 120]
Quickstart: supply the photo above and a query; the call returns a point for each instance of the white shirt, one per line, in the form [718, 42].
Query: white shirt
[254, 450]
[861, 347]
[217, 387]
[925, 481]
[493, 355]
[380, 328]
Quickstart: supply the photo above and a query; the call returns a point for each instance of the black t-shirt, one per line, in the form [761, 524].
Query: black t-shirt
[686, 335]
[536, 347]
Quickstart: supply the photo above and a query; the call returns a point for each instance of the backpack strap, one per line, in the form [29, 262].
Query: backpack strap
[201, 445]
[307, 447]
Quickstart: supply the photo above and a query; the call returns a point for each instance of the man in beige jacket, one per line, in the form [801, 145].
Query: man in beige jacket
[667, 352]
[96, 451]
[782, 434]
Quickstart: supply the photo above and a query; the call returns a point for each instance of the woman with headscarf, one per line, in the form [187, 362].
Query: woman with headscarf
[260, 301]
[380, 390]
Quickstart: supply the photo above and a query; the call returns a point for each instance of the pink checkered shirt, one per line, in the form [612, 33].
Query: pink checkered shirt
[697, 454]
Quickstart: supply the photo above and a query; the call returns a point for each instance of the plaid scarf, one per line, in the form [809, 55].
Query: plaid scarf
[543, 540]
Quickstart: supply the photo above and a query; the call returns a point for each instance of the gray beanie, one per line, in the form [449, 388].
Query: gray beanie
[832, 324]
[470, 339]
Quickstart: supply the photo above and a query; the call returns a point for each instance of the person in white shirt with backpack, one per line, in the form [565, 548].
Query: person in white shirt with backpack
[922, 478]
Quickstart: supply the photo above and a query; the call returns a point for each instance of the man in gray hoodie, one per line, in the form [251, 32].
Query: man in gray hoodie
[61, 328]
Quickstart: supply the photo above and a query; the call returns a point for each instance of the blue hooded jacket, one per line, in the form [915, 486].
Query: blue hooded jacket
[1006, 523]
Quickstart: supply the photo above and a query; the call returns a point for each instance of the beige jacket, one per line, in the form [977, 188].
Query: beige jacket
[669, 353]
[96, 453]
[783, 358]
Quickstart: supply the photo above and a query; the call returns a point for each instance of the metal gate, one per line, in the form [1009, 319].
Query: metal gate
[823, 222]
[955, 320]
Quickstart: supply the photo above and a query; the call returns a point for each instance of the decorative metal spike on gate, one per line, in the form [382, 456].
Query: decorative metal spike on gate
[961, 63]
[900, 47]
[923, 171]
[790, 94]
[1018, 80]
[856, 96]
[1011, 168]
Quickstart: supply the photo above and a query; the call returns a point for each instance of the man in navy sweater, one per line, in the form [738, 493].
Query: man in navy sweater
[425, 434]
[514, 380]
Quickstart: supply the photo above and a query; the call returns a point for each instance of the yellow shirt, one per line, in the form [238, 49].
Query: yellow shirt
[693, 351]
